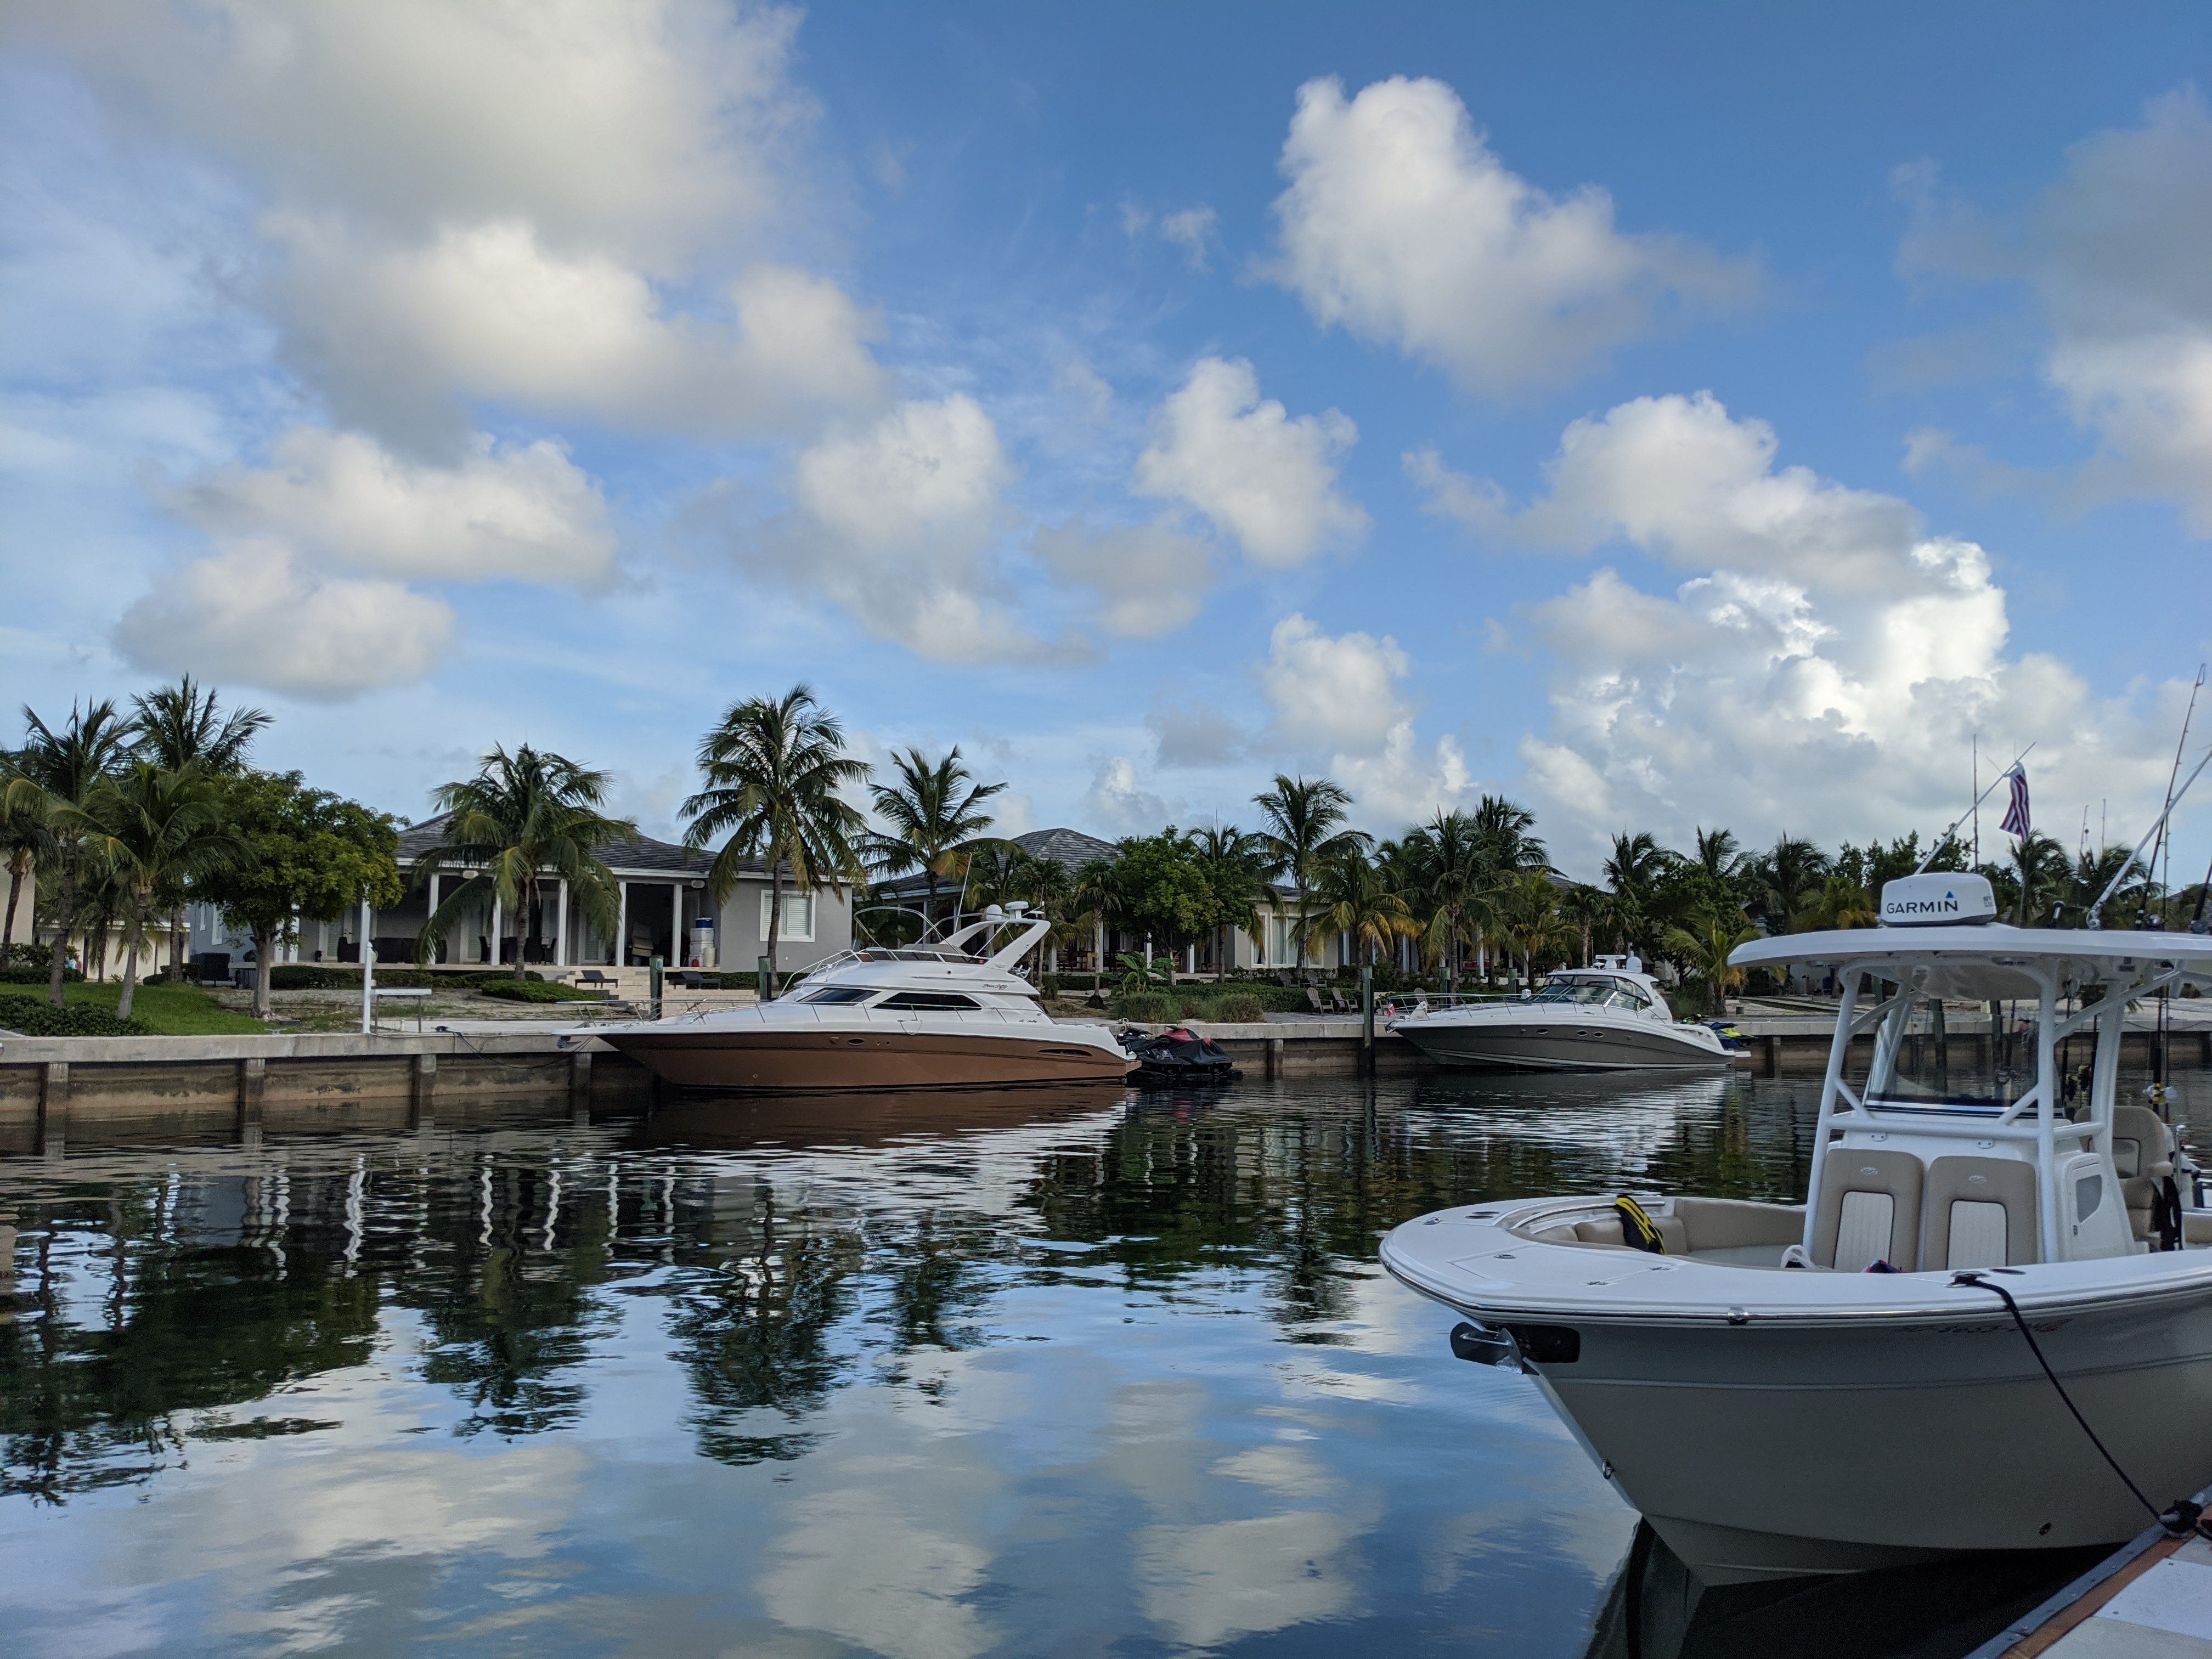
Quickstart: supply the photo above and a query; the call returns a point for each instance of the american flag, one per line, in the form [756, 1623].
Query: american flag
[2015, 818]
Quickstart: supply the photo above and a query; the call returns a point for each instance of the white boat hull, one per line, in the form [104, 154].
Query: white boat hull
[1522, 1037]
[1760, 1454]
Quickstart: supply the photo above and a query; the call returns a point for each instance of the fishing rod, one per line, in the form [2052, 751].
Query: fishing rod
[2165, 846]
[1944, 840]
[2173, 800]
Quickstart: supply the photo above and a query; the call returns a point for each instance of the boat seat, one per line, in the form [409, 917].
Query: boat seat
[2140, 1158]
[1606, 1230]
[1980, 1214]
[1868, 1209]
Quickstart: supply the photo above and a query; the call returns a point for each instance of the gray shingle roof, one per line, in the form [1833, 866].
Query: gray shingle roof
[1071, 847]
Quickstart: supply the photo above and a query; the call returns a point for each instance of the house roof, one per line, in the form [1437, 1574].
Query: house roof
[1070, 846]
[631, 855]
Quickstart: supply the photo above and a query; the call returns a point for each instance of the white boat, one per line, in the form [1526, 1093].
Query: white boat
[936, 1016]
[1609, 1017]
[1885, 1403]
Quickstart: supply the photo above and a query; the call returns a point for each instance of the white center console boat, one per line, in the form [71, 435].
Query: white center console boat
[1609, 1017]
[1861, 1382]
[937, 1015]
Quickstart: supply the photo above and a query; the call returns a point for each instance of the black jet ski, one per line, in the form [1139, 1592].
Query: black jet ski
[1179, 1056]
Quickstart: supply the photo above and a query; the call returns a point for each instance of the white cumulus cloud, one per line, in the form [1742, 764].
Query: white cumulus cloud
[1338, 696]
[258, 615]
[2120, 251]
[898, 522]
[1260, 476]
[1118, 803]
[1401, 224]
[1150, 579]
[520, 512]
[471, 200]
[1823, 669]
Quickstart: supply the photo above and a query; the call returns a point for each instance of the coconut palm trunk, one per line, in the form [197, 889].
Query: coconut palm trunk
[134, 932]
[775, 929]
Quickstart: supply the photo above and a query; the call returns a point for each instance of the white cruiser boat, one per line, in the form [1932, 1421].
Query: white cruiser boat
[1610, 1018]
[935, 1016]
[1816, 1389]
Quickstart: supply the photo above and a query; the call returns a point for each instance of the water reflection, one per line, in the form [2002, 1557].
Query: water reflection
[936, 1375]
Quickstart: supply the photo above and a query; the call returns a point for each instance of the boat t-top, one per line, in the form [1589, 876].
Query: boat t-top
[1611, 1016]
[1860, 1381]
[952, 1013]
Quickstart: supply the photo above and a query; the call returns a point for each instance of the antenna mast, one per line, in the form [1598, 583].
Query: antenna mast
[1944, 840]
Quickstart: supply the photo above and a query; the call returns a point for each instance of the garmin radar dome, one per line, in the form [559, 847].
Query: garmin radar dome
[1940, 899]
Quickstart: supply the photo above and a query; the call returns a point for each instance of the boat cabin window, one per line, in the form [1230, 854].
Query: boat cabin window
[836, 995]
[1593, 993]
[926, 1002]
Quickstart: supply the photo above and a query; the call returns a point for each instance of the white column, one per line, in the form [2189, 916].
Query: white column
[676, 959]
[367, 968]
[622, 926]
[497, 919]
[431, 908]
[561, 927]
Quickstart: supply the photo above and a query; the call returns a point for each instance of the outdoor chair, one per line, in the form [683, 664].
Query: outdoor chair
[592, 980]
[1337, 1005]
[690, 981]
[1313, 999]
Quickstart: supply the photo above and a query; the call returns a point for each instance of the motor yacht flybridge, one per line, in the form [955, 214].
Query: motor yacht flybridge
[1861, 1380]
[1611, 1016]
[950, 1014]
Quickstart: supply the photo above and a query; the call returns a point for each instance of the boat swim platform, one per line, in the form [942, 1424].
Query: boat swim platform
[2150, 1600]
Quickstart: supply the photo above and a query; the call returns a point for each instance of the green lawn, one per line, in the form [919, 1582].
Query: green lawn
[168, 1009]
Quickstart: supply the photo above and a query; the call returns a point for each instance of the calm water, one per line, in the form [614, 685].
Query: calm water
[1095, 1373]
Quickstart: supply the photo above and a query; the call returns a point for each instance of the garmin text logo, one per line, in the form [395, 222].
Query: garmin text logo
[1946, 906]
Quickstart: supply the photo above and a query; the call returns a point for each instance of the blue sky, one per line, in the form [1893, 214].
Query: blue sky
[1669, 417]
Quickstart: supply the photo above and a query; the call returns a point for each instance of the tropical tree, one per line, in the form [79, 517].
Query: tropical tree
[315, 856]
[1719, 858]
[1784, 879]
[1304, 819]
[935, 812]
[2041, 876]
[2092, 874]
[774, 771]
[150, 830]
[523, 817]
[24, 839]
[183, 725]
[55, 773]
[1841, 902]
[995, 874]
[1235, 862]
[1353, 898]
[1588, 909]
[1704, 947]
[1451, 881]
[1530, 919]
[1049, 886]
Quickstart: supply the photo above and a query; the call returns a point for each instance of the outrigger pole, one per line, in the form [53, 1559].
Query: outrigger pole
[2121, 874]
[1944, 840]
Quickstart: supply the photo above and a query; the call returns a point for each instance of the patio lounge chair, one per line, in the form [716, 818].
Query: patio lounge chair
[1313, 997]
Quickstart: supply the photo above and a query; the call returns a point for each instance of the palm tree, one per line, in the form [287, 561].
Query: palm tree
[1841, 902]
[57, 770]
[23, 840]
[1529, 920]
[1588, 908]
[1451, 879]
[179, 725]
[774, 771]
[1235, 865]
[2039, 865]
[1784, 879]
[150, 830]
[1355, 899]
[2092, 874]
[1048, 885]
[1304, 818]
[993, 876]
[1704, 948]
[934, 813]
[522, 817]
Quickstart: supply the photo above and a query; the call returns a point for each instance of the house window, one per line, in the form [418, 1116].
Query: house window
[1281, 948]
[798, 917]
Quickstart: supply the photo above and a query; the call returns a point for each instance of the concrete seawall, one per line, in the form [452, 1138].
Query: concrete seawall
[54, 1091]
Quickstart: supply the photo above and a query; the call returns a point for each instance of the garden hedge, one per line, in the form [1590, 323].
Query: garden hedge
[34, 1018]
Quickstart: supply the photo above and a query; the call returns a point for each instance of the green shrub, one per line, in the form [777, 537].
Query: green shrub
[536, 990]
[1238, 1008]
[37, 975]
[1047, 985]
[1145, 1007]
[35, 1018]
[19, 955]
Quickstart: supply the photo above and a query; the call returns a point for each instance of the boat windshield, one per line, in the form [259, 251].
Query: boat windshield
[836, 994]
[1594, 992]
